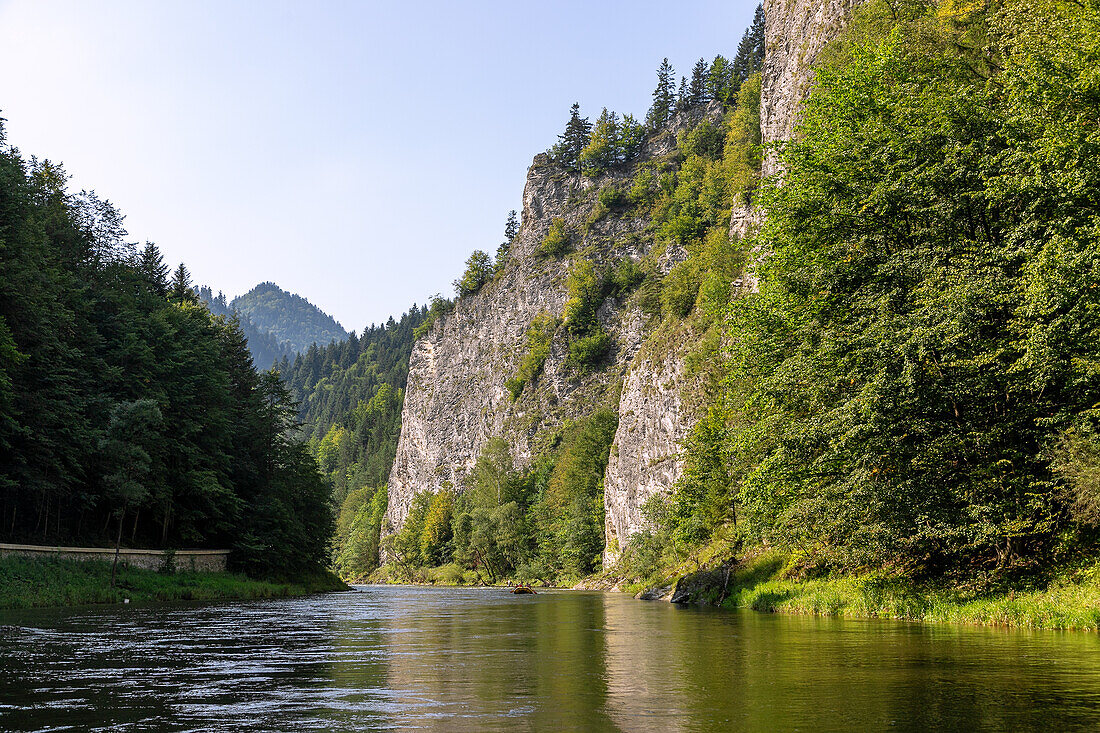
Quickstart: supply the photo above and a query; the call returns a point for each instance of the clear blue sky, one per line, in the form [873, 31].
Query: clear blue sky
[352, 152]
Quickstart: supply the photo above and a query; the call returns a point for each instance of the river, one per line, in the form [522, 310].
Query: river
[485, 660]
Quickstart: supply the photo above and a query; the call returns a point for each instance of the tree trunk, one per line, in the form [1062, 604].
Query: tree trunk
[118, 543]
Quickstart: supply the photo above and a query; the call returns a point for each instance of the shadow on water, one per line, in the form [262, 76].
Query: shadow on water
[485, 660]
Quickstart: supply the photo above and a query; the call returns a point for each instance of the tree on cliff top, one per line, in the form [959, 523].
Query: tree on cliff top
[571, 142]
[664, 97]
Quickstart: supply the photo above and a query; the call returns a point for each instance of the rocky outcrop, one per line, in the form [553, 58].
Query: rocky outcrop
[645, 456]
[796, 31]
[457, 399]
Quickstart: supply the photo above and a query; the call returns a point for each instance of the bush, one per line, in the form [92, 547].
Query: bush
[680, 289]
[539, 335]
[479, 270]
[588, 352]
[611, 196]
[557, 240]
[625, 277]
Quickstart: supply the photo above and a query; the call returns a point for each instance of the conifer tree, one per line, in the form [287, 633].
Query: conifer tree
[719, 80]
[152, 267]
[664, 97]
[698, 89]
[511, 229]
[750, 53]
[181, 288]
[571, 142]
[683, 97]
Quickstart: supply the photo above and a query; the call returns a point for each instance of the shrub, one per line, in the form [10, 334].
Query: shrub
[539, 335]
[611, 196]
[557, 240]
[588, 352]
[680, 289]
[479, 269]
[625, 277]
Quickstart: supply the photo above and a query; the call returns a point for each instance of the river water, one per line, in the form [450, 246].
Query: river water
[485, 660]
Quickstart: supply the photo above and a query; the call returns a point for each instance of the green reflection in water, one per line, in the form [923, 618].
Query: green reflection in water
[484, 660]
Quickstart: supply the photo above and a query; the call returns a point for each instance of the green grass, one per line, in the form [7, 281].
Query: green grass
[1070, 601]
[29, 583]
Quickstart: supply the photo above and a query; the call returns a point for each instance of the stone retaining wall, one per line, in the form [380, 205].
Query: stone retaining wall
[205, 561]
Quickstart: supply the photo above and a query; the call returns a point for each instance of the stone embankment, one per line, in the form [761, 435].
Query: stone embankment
[203, 561]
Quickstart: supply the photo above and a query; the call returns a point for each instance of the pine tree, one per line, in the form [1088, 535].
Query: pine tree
[571, 142]
[181, 288]
[152, 267]
[664, 97]
[683, 97]
[719, 80]
[750, 53]
[698, 91]
[511, 229]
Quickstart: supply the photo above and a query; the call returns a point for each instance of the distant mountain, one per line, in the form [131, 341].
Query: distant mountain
[266, 348]
[288, 317]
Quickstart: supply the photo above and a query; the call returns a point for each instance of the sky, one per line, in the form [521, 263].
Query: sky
[355, 153]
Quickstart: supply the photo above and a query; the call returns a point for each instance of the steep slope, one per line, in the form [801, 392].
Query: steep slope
[287, 316]
[458, 396]
[646, 455]
[458, 393]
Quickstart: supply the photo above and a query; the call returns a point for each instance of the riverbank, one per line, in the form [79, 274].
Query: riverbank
[1068, 600]
[31, 583]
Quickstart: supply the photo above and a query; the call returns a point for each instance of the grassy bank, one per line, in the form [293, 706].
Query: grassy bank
[29, 583]
[1070, 600]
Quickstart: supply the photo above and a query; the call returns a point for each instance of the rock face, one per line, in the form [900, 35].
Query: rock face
[645, 455]
[456, 398]
[795, 33]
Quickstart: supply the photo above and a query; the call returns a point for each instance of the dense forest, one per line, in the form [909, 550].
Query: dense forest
[266, 349]
[128, 412]
[914, 388]
[288, 317]
[351, 395]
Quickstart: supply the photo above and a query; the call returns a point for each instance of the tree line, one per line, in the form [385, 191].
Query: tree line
[128, 412]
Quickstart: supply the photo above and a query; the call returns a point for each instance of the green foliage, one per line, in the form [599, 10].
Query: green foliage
[927, 320]
[611, 197]
[557, 240]
[438, 308]
[37, 583]
[538, 338]
[123, 398]
[1076, 460]
[589, 344]
[664, 97]
[358, 531]
[588, 352]
[680, 289]
[567, 151]
[624, 277]
[570, 514]
[479, 270]
[511, 229]
[611, 143]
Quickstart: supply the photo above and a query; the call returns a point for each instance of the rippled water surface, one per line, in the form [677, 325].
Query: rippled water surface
[484, 660]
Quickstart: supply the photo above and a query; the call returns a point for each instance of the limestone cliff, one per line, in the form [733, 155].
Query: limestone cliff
[652, 420]
[457, 399]
[456, 396]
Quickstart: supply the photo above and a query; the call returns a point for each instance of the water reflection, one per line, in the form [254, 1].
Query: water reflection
[484, 660]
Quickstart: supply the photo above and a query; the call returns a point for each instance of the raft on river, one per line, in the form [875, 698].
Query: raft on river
[523, 589]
